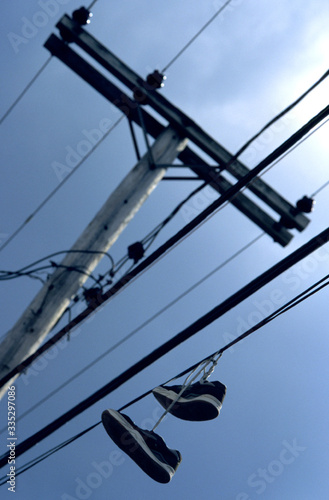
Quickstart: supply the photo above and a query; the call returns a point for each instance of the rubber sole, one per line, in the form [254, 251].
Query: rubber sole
[129, 440]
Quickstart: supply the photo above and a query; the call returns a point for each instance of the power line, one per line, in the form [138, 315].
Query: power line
[196, 35]
[174, 240]
[48, 453]
[279, 116]
[320, 189]
[292, 149]
[5, 275]
[54, 191]
[38, 73]
[139, 328]
[149, 239]
[198, 325]
[92, 4]
[312, 290]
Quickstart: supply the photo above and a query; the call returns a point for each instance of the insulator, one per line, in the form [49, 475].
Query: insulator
[155, 80]
[82, 16]
[136, 251]
[305, 204]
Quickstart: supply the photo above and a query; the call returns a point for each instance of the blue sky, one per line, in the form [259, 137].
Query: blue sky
[271, 439]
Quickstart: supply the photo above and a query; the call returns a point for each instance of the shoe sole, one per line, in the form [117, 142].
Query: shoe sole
[200, 408]
[133, 444]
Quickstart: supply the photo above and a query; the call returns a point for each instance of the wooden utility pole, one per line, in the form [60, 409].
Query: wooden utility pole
[55, 296]
[51, 302]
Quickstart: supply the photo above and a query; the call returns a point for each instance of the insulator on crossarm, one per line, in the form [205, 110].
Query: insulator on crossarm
[82, 16]
[155, 80]
[305, 204]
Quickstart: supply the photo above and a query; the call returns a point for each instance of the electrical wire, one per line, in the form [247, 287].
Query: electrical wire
[92, 4]
[291, 150]
[320, 189]
[218, 311]
[54, 191]
[312, 290]
[48, 453]
[28, 86]
[279, 116]
[196, 35]
[52, 265]
[272, 121]
[180, 236]
[139, 328]
[149, 239]
[5, 275]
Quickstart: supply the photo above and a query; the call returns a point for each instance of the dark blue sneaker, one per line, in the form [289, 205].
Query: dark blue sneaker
[146, 448]
[200, 401]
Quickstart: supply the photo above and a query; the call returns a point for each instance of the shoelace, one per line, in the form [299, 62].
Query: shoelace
[213, 360]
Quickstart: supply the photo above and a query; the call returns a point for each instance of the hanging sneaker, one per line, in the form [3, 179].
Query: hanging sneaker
[146, 448]
[200, 401]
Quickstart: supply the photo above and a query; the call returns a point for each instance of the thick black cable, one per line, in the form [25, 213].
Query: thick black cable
[181, 337]
[173, 241]
[313, 289]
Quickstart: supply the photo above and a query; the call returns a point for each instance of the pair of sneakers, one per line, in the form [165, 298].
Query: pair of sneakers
[198, 402]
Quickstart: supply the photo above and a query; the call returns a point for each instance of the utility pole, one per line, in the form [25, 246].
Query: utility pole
[53, 299]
